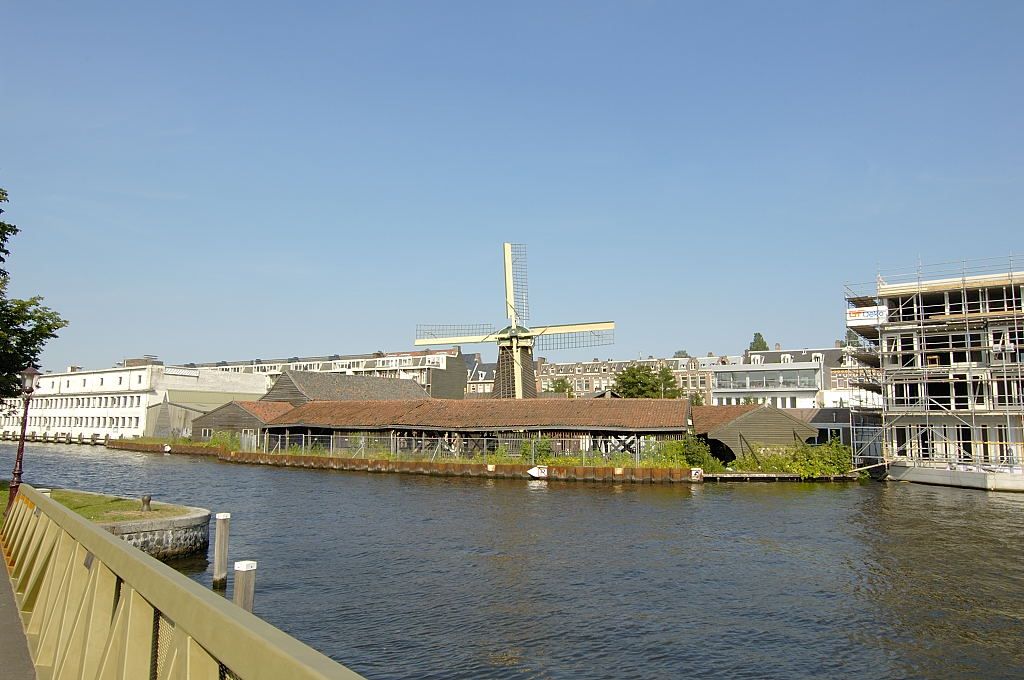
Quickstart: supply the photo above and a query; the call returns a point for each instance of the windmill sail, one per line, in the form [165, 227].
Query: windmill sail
[574, 336]
[453, 334]
[519, 298]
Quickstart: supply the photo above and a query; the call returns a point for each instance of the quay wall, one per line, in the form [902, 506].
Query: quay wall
[168, 537]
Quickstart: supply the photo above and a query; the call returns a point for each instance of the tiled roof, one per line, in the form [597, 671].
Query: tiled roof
[708, 418]
[495, 414]
[266, 410]
[319, 386]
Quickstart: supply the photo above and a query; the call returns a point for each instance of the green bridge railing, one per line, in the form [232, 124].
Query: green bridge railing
[94, 607]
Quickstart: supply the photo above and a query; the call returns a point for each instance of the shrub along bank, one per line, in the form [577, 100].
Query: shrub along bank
[823, 460]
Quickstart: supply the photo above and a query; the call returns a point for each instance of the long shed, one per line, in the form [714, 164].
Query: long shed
[733, 430]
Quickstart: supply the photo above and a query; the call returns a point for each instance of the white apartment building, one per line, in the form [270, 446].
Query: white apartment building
[140, 398]
[441, 372]
[801, 378]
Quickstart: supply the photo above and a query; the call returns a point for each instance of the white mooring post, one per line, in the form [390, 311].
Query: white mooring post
[245, 584]
[220, 551]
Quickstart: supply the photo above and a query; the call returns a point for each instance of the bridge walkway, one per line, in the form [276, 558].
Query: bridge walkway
[14, 657]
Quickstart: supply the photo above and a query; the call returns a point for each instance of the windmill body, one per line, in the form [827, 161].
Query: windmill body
[515, 377]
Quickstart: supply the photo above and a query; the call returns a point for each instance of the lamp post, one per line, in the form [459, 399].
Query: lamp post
[28, 386]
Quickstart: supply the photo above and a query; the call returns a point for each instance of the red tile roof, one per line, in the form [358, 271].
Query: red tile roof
[266, 410]
[494, 414]
[707, 418]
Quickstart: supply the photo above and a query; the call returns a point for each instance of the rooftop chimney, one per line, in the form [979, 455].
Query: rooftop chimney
[778, 346]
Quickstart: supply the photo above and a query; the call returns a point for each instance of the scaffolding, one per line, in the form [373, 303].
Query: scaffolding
[945, 344]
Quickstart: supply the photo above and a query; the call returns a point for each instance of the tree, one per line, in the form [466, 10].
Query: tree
[638, 381]
[681, 354]
[697, 399]
[563, 385]
[25, 325]
[758, 344]
[667, 383]
[852, 339]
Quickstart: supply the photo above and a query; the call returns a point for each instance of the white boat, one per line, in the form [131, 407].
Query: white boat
[987, 477]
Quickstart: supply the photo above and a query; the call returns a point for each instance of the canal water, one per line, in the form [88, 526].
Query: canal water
[422, 577]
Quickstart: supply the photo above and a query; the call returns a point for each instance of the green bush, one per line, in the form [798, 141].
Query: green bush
[686, 452]
[806, 460]
[226, 440]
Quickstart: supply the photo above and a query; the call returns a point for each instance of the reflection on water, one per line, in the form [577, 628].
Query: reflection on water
[425, 577]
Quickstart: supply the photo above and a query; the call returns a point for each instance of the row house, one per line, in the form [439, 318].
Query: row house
[692, 374]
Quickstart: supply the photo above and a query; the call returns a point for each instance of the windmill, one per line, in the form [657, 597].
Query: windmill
[514, 377]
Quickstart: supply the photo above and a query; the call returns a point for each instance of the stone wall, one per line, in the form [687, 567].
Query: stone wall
[167, 538]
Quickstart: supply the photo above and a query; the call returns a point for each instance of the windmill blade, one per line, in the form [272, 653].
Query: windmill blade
[453, 334]
[573, 335]
[517, 298]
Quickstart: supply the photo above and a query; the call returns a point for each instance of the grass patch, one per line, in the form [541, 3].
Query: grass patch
[220, 440]
[101, 508]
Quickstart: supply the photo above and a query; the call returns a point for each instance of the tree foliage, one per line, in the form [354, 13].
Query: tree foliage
[564, 386]
[681, 354]
[637, 382]
[25, 325]
[667, 383]
[758, 344]
[641, 382]
[697, 399]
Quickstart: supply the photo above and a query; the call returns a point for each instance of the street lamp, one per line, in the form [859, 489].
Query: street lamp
[28, 386]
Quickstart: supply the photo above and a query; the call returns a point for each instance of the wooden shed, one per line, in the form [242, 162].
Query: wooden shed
[238, 417]
[734, 430]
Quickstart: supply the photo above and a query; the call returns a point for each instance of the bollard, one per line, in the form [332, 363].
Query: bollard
[220, 551]
[245, 584]
[145, 503]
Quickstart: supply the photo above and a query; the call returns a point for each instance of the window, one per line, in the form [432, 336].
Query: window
[818, 357]
[120, 379]
[756, 359]
[206, 433]
[787, 358]
[138, 378]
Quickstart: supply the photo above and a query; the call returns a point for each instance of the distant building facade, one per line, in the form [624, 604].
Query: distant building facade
[792, 379]
[139, 398]
[441, 372]
[479, 376]
[588, 378]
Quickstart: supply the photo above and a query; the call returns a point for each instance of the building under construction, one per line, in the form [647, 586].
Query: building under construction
[946, 345]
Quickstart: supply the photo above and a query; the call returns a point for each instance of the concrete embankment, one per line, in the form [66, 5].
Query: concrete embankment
[638, 475]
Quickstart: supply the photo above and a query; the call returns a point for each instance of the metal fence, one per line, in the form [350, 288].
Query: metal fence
[95, 607]
[584, 450]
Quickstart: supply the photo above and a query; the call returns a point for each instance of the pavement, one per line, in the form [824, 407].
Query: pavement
[15, 662]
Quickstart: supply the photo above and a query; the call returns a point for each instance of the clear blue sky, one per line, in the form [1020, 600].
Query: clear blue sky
[209, 181]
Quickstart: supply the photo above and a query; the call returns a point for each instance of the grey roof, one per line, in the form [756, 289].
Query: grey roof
[832, 356]
[319, 386]
[834, 417]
